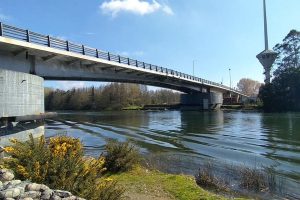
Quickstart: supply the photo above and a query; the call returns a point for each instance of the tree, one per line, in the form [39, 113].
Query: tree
[283, 93]
[114, 96]
[248, 86]
[288, 52]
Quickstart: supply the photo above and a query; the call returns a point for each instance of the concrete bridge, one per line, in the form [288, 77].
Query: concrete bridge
[55, 59]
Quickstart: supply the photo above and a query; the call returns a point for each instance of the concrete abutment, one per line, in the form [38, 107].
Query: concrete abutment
[201, 100]
[21, 106]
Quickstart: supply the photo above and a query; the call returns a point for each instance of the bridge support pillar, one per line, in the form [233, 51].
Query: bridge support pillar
[201, 101]
[21, 105]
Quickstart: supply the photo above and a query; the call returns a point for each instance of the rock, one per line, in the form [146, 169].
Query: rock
[31, 194]
[10, 193]
[55, 197]
[6, 175]
[62, 193]
[36, 187]
[16, 189]
[15, 182]
[79, 198]
[11, 184]
[47, 194]
[70, 198]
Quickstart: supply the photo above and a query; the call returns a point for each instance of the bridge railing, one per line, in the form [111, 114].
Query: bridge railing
[47, 40]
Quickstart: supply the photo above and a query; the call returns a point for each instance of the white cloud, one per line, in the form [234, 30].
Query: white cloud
[4, 17]
[67, 85]
[61, 37]
[132, 54]
[138, 7]
[90, 33]
[167, 10]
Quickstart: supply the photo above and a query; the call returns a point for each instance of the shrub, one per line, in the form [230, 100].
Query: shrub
[206, 178]
[120, 156]
[60, 164]
[253, 179]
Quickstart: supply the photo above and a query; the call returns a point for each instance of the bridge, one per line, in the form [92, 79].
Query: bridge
[51, 58]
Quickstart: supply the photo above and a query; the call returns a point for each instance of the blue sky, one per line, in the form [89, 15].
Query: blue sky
[218, 34]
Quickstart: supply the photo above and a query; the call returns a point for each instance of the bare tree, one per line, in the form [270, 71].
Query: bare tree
[249, 87]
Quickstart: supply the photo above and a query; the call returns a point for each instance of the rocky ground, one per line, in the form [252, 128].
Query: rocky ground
[11, 189]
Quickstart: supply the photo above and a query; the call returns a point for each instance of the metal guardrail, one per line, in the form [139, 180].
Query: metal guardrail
[46, 40]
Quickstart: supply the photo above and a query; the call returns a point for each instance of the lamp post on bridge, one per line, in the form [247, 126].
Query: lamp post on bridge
[194, 67]
[230, 77]
[230, 85]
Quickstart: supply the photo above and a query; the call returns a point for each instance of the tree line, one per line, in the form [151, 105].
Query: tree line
[283, 93]
[113, 96]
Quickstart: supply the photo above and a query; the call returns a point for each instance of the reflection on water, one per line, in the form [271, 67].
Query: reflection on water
[248, 138]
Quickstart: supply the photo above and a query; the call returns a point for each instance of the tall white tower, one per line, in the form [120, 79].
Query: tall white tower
[267, 56]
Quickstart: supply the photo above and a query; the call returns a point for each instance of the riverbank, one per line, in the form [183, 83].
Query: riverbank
[142, 183]
[116, 174]
[139, 183]
[11, 188]
[253, 107]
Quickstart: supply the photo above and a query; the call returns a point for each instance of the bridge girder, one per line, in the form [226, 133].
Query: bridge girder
[57, 64]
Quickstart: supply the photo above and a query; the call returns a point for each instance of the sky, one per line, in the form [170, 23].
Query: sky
[217, 35]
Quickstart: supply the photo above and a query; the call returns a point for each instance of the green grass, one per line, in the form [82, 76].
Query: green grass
[151, 184]
[132, 108]
[242, 107]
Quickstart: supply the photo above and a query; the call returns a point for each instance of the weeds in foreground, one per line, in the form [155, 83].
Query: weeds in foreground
[253, 179]
[207, 179]
[240, 179]
[60, 164]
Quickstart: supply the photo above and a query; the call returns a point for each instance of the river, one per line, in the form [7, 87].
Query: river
[234, 137]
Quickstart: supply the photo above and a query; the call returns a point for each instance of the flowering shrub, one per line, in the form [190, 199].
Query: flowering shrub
[60, 164]
[29, 160]
[65, 146]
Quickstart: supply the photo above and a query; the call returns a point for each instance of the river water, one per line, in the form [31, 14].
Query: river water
[234, 137]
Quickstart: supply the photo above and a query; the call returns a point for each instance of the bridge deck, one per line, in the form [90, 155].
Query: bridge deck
[27, 40]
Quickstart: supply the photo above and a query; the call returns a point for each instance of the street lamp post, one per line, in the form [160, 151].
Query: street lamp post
[230, 86]
[194, 67]
[230, 77]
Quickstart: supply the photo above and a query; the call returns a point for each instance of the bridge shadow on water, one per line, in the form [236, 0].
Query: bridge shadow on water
[20, 131]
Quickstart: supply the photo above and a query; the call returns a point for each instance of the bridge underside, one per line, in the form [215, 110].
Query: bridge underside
[57, 67]
[53, 64]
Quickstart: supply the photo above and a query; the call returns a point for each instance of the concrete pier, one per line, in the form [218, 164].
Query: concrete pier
[21, 95]
[201, 101]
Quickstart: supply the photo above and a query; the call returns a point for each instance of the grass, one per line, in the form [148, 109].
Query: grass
[242, 107]
[142, 183]
[132, 108]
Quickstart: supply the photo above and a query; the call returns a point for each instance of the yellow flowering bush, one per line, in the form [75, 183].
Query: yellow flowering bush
[60, 163]
[28, 159]
[63, 145]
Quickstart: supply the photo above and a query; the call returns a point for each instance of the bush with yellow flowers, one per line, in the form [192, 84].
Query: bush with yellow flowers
[60, 164]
